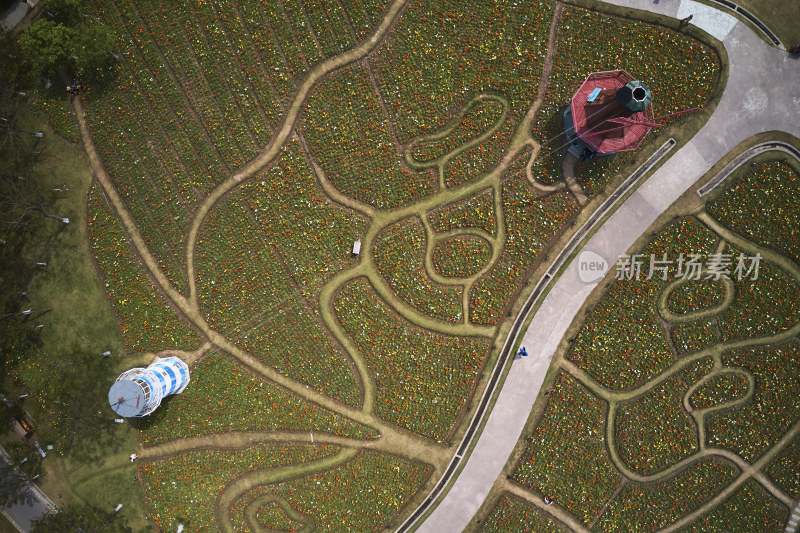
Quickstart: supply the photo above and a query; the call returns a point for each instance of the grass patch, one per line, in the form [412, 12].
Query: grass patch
[80, 316]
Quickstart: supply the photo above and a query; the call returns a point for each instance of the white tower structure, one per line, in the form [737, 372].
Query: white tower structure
[139, 391]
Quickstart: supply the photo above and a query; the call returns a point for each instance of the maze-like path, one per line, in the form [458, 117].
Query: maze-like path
[343, 382]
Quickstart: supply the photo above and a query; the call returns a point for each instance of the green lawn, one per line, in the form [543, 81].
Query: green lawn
[779, 16]
[76, 312]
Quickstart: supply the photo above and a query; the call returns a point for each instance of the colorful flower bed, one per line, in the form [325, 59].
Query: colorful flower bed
[681, 71]
[423, 379]
[329, 23]
[566, 456]
[750, 508]
[146, 87]
[478, 117]
[763, 306]
[155, 33]
[399, 254]
[476, 212]
[274, 518]
[532, 222]
[442, 53]
[654, 506]
[762, 206]
[147, 321]
[512, 515]
[247, 293]
[311, 233]
[351, 138]
[225, 397]
[654, 431]
[695, 295]
[479, 159]
[364, 15]
[751, 429]
[183, 488]
[621, 343]
[460, 257]
[720, 389]
[56, 108]
[694, 336]
[360, 495]
[784, 469]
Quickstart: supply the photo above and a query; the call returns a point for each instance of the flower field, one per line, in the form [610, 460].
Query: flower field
[532, 222]
[650, 507]
[761, 206]
[475, 212]
[400, 257]
[621, 344]
[763, 306]
[441, 54]
[566, 456]
[183, 488]
[223, 397]
[511, 515]
[474, 161]
[460, 257]
[478, 117]
[312, 234]
[201, 89]
[359, 495]
[248, 295]
[722, 388]
[750, 508]
[55, 107]
[354, 142]
[784, 468]
[147, 320]
[695, 295]
[654, 431]
[751, 429]
[423, 379]
[694, 336]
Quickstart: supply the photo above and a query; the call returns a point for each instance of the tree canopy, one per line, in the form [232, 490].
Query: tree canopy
[70, 39]
[76, 517]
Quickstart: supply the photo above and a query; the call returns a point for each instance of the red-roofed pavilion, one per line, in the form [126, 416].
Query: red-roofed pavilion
[611, 112]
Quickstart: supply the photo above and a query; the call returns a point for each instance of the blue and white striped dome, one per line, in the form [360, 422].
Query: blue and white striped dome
[139, 391]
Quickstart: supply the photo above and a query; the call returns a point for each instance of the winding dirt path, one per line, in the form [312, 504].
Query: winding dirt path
[615, 398]
[392, 439]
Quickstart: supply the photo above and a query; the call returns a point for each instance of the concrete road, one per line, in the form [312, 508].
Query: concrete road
[758, 98]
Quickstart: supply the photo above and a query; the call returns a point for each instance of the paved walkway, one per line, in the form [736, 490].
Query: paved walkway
[791, 527]
[34, 505]
[758, 98]
[16, 12]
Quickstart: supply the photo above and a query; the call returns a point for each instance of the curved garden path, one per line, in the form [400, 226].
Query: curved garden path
[522, 385]
[752, 103]
[392, 439]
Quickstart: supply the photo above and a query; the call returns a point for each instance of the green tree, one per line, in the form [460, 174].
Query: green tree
[70, 40]
[78, 518]
[73, 390]
[48, 44]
